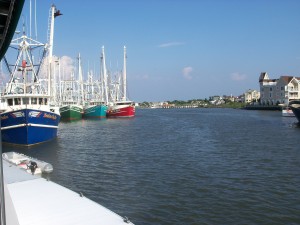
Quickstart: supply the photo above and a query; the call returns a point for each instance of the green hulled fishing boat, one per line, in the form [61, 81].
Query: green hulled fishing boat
[71, 112]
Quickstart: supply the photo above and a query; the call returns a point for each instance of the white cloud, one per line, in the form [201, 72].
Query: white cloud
[142, 77]
[238, 76]
[170, 44]
[67, 67]
[186, 72]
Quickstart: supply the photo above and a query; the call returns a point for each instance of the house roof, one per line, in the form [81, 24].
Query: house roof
[286, 79]
[262, 76]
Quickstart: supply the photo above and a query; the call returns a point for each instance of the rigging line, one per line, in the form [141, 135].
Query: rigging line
[7, 65]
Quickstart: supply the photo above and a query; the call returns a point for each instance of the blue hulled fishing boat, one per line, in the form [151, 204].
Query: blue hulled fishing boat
[27, 117]
[95, 110]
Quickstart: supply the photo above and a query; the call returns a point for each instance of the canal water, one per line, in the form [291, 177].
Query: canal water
[183, 166]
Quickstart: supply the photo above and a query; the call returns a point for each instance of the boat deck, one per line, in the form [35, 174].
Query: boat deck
[38, 201]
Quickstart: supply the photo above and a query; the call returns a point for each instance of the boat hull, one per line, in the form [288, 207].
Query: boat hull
[70, 112]
[28, 126]
[295, 107]
[121, 111]
[98, 111]
[296, 112]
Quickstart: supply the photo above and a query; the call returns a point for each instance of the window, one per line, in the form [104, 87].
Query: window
[17, 101]
[34, 101]
[282, 88]
[25, 101]
[10, 101]
[270, 89]
[45, 101]
[41, 102]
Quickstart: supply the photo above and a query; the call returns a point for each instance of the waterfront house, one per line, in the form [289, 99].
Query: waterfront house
[278, 91]
[216, 100]
[251, 96]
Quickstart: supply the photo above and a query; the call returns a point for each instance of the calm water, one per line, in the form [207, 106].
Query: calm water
[183, 166]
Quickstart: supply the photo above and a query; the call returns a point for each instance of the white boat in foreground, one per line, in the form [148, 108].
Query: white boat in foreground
[27, 163]
[34, 200]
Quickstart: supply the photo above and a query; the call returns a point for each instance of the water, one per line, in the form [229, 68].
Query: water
[183, 166]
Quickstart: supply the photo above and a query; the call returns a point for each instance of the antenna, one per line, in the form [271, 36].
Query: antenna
[30, 18]
[23, 26]
[124, 75]
[35, 21]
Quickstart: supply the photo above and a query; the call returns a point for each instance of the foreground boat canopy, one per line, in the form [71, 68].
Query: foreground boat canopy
[9, 17]
[38, 201]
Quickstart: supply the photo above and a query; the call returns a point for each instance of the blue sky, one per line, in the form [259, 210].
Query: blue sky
[180, 49]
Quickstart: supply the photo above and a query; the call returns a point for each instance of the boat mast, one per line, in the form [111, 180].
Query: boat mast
[50, 47]
[91, 83]
[80, 80]
[104, 75]
[124, 75]
[59, 80]
[53, 14]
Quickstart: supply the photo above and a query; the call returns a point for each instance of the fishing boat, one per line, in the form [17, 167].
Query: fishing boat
[28, 118]
[71, 111]
[95, 109]
[71, 96]
[70, 108]
[26, 163]
[95, 106]
[295, 107]
[121, 107]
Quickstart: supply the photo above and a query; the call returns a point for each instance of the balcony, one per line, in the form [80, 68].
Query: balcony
[292, 89]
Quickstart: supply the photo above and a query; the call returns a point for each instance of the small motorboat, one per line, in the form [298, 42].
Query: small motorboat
[287, 112]
[27, 163]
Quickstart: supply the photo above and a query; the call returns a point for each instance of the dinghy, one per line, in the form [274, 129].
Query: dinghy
[27, 163]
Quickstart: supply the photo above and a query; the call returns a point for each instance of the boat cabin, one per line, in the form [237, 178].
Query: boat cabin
[69, 103]
[125, 103]
[94, 103]
[14, 101]
[21, 101]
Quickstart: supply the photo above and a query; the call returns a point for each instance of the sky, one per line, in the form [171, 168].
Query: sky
[178, 49]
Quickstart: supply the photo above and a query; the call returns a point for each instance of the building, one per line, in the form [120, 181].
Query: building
[278, 91]
[251, 96]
